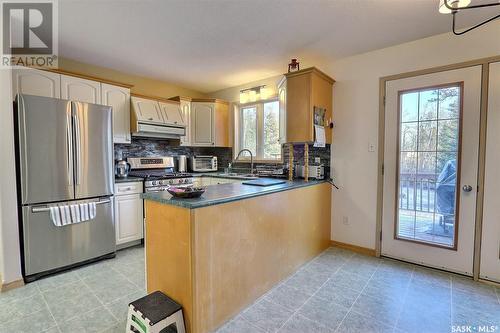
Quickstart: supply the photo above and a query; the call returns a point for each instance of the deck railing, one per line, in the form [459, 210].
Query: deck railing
[417, 192]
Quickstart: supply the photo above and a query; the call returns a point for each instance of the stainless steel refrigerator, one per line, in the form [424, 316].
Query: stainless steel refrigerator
[64, 156]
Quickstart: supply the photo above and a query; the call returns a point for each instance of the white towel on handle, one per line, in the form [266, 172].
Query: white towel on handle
[92, 210]
[62, 215]
[75, 214]
[84, 211]
[87, 211]
[55, 216]
[65, 214]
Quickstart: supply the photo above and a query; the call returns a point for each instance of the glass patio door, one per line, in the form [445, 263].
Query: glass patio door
[430, 168]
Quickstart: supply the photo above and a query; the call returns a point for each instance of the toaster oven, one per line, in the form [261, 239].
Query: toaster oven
[203, 163]
[315, 171]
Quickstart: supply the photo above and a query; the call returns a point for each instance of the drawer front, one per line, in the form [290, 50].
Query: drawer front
[128, 188]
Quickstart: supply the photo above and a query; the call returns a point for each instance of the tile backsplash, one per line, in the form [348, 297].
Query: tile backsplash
[151, 148]
[154, 148]
[298, 155]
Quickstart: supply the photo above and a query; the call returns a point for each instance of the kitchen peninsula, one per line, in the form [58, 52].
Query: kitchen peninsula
[217, 254]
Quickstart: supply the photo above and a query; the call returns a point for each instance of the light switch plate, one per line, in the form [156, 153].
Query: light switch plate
[371, 147]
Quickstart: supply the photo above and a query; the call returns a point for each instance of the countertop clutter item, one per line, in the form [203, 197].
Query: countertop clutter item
[315, 171]
[203, 163]
[182, 163]
[122, 169]
[65, 158]
[186, 192]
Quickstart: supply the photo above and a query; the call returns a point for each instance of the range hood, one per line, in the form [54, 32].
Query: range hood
[152, 118]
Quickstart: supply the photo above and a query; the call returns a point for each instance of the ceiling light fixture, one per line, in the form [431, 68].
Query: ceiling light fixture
[253, 94]
[455, 6]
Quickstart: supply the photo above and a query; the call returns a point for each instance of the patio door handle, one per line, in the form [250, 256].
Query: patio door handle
[467, 188]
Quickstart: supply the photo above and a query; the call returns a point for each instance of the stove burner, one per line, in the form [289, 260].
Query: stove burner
[158, 174]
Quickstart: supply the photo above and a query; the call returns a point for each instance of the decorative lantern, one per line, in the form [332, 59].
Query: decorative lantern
[293, 66]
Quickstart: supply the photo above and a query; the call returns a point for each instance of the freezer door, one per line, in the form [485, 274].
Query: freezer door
[93, 150]
[45, 149]
[47, 247]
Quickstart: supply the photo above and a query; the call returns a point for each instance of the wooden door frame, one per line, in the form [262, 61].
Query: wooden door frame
[484, 63]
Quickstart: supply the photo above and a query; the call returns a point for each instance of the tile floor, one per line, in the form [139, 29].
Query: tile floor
[338, 291]
[89, 299]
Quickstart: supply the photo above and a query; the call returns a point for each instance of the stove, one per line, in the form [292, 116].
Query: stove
[158, 173]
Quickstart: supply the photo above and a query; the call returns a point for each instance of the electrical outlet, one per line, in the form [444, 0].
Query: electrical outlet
[345, 220]
[317, 160]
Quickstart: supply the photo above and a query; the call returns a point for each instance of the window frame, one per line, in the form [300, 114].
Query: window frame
[238, 135]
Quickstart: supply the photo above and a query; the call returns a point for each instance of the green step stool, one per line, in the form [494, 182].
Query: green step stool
[155, 313]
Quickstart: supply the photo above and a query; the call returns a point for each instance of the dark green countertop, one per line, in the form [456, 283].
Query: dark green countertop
[128, 179]
[224, 193]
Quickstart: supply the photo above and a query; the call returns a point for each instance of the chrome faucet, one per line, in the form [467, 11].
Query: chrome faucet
[251, 158]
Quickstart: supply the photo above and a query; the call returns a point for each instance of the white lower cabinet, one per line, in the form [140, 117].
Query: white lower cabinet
[129, 222]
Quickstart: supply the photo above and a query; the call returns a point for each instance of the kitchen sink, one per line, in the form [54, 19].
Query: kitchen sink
[238, 175]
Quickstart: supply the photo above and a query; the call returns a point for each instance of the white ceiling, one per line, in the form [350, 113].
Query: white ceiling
[209, 45]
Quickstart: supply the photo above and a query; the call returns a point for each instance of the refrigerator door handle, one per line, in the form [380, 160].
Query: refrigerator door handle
[46, 209]
[69, 147]
[78, 143]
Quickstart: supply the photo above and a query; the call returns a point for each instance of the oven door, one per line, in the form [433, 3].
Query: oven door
[155, 189]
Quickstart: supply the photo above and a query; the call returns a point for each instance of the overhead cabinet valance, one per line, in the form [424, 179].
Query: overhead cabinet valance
[157, 118]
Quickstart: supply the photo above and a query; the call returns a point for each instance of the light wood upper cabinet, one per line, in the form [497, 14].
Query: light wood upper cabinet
[147, 110]
[172, 113]
[304, 90]
[222, 124]
[119, 99]
[210, 123]
[282, 103]
[82, 90]
[35, 82]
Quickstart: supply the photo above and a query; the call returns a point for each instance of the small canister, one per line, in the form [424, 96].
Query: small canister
[182, 163]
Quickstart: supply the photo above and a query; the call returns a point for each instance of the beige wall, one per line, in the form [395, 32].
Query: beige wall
[356, 97]
[141, 85]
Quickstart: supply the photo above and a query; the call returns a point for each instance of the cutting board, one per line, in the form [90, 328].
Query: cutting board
[264, 182]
